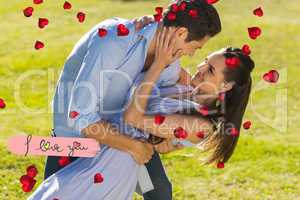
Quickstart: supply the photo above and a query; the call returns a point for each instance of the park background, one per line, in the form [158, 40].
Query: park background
[266, 163]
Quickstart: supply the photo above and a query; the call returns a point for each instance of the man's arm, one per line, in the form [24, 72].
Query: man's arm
[88, 92]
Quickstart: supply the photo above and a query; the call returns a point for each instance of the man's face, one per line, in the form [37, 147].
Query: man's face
[210, 75]
[187, 48]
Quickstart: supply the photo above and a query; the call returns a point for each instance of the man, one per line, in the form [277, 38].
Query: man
[99, 71]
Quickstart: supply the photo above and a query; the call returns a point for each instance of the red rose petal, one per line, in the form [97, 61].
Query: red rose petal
[222, 96]
[73, 114]
[193, 13]
[171, 16]
[232, 62]
[28, 11]
[157, 17]
[102, 32]
[220, 165]
[39, 45]
[182, 6]
[246, 49]
[247, 125]
[212, 1]
[32, 171]
[159, 10]
[258, 12]
[67, 5]
[25, 179]
[204, 110]
[174, 8]
[180, 133]
[200, 134]
[28, 185]
[159, 119]
[2, 104]
[122, 30]
[98, 178]
[64, 161]
[81, 17]
[37, 1]
[271, 77]
[234, 132]
[254, 32]
[43, 22]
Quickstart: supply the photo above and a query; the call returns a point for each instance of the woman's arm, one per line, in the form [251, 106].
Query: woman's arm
[135, 113]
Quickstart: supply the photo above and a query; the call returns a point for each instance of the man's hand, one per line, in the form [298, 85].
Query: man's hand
[167, 146]
[142, 22]
[141, 152]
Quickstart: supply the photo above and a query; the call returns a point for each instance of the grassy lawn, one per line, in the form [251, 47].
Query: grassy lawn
[266, 164]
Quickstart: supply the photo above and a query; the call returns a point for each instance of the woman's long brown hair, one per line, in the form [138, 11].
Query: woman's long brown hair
[231, 111]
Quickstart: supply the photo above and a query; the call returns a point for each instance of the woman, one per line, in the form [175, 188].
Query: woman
[113, 174]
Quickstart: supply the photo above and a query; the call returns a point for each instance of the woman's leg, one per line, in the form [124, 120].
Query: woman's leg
[162, 185]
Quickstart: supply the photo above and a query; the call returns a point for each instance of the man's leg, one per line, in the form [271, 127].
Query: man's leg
[162, 185]
[52, 165]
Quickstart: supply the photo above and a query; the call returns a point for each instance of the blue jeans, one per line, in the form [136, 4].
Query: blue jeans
[161, 183]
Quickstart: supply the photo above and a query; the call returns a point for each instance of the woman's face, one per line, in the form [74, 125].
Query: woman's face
[209, 78]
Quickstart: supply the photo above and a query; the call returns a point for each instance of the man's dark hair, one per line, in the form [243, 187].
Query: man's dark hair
[205, 23]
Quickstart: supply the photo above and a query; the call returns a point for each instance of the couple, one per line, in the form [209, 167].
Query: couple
[118, 89]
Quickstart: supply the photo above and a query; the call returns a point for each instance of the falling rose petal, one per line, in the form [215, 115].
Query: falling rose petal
[2, 104]
[102, 32]
[193, 13]
[159, 119]
[220, 165]
[247, 125]
[212, 1]
[98, 178]
[28, 11]
[258, 12]
[232, 62]
[39, 45]
[73, 114]
[25, 179]
[122, 30]
[81, 17]
[28, 185]
[234, 132]
[254, 32]
[246, 49]
[204, 110]
[43, 22]
[200, 134]
[182, 6]
[171, 16]
[159, 10]
[37, 1]
[157, 17]
[174, 8]
[271, 77]
[32, 171]
[64, 161]
[222, 96]
[180, 133]
[67, 5]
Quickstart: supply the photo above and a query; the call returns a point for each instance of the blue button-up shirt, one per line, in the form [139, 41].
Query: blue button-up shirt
[98, 75]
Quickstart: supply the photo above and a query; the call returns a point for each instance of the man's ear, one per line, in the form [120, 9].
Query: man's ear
[182, 32]
[227, 86]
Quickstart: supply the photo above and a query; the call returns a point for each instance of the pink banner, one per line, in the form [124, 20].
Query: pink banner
[53, 146]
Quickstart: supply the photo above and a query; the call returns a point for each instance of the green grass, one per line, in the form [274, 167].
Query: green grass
[266, 164]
